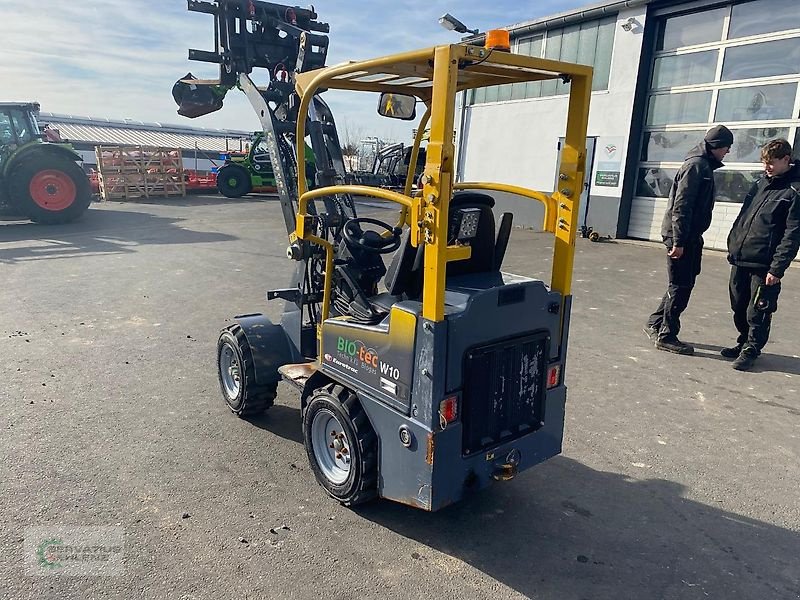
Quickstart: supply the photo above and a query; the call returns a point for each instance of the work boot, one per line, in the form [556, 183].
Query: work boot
[651, 332]
[747, 357]
[674, 345]
[732, 352]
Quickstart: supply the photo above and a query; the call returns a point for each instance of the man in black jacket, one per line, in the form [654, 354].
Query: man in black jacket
[761, 245]
[688, 216]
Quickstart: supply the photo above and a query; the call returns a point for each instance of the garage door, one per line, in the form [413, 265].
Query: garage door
[721, 65]
[647, 213]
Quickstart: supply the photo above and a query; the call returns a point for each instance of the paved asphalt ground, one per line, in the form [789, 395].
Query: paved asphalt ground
[679, 477]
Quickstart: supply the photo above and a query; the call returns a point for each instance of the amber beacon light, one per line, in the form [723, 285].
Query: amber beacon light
[498, 39]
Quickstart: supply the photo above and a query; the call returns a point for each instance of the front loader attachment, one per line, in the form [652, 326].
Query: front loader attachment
[197, 97]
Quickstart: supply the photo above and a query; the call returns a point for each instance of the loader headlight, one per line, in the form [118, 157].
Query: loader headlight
[464, 223]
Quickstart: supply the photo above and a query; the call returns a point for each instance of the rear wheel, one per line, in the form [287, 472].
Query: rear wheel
[233, 181]
[48, 188]
[341, 445]
[237, 375]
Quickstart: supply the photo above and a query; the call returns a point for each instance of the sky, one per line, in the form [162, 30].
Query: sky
[118, 59]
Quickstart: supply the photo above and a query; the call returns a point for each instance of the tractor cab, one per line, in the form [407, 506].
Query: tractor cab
[40, 181]
[394, 162]
[259, 156]
[17, 126]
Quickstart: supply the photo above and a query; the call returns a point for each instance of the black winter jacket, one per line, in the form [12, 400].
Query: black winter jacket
[766, 234]
[691, 199]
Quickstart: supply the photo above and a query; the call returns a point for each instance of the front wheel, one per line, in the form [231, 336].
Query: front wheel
[50, 189]
[341, 445]
[233, 181]
[237, 375]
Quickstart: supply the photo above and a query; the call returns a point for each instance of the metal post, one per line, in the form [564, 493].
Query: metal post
[570, 182]
[439, 182]
[460, 150]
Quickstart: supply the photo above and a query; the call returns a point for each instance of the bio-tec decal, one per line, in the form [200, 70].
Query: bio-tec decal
[355, 350]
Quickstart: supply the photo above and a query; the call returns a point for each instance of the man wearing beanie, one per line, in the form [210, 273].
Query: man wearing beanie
[688, 216]
[762, 244]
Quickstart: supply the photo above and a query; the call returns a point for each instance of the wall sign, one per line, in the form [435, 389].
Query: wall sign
[609, 153]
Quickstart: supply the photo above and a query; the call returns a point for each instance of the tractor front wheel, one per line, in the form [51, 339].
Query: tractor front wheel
[233, 181]
[49, 189]
[341, 445]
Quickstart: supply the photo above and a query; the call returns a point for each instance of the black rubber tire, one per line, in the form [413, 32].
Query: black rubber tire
[361, 484]
[240, 178]
[252, 399]
[22, 202]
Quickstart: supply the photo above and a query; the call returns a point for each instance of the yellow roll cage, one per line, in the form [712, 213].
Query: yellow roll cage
[434, 76]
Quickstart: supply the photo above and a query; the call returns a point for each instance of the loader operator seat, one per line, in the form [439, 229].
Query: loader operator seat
[404, 276]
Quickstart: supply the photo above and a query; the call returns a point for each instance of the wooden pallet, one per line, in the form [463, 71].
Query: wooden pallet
[133, 172]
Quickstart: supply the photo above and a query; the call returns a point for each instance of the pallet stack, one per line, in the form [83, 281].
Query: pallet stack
[132, 172]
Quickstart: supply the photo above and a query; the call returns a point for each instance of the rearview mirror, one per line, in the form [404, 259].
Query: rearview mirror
[397, 106]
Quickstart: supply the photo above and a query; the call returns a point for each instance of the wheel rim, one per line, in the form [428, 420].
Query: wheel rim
[52, 190]
[331, 447]
[233, 182]
[229, 371]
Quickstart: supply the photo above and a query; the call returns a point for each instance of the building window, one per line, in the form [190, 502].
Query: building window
[757, 103]
[781, 57]
[688, 30]
[654, 182]
[747, 148]
[738, 65]
[688, 107]
[528, 46]
[796, 145]
[766, 16]
[590, 43]
[685, 69]
[733, 185]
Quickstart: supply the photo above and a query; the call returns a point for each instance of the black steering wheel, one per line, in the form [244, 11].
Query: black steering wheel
[370, 240]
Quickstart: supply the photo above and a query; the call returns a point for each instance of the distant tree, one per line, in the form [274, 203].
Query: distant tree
[352, 149]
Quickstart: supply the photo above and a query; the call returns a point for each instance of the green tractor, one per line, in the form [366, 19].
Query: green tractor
[41, 181]
[252, 171]
[247, 172]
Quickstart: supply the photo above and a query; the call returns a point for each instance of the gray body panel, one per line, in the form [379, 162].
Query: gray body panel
[469, 328]
[434, 470]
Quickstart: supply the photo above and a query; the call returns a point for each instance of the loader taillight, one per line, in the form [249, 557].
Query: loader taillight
[448, 409]
[553, 376]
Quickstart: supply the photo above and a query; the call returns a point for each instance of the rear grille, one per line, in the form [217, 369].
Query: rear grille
[504, 387]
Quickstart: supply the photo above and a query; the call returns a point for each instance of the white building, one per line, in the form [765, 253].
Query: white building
[664, 72]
